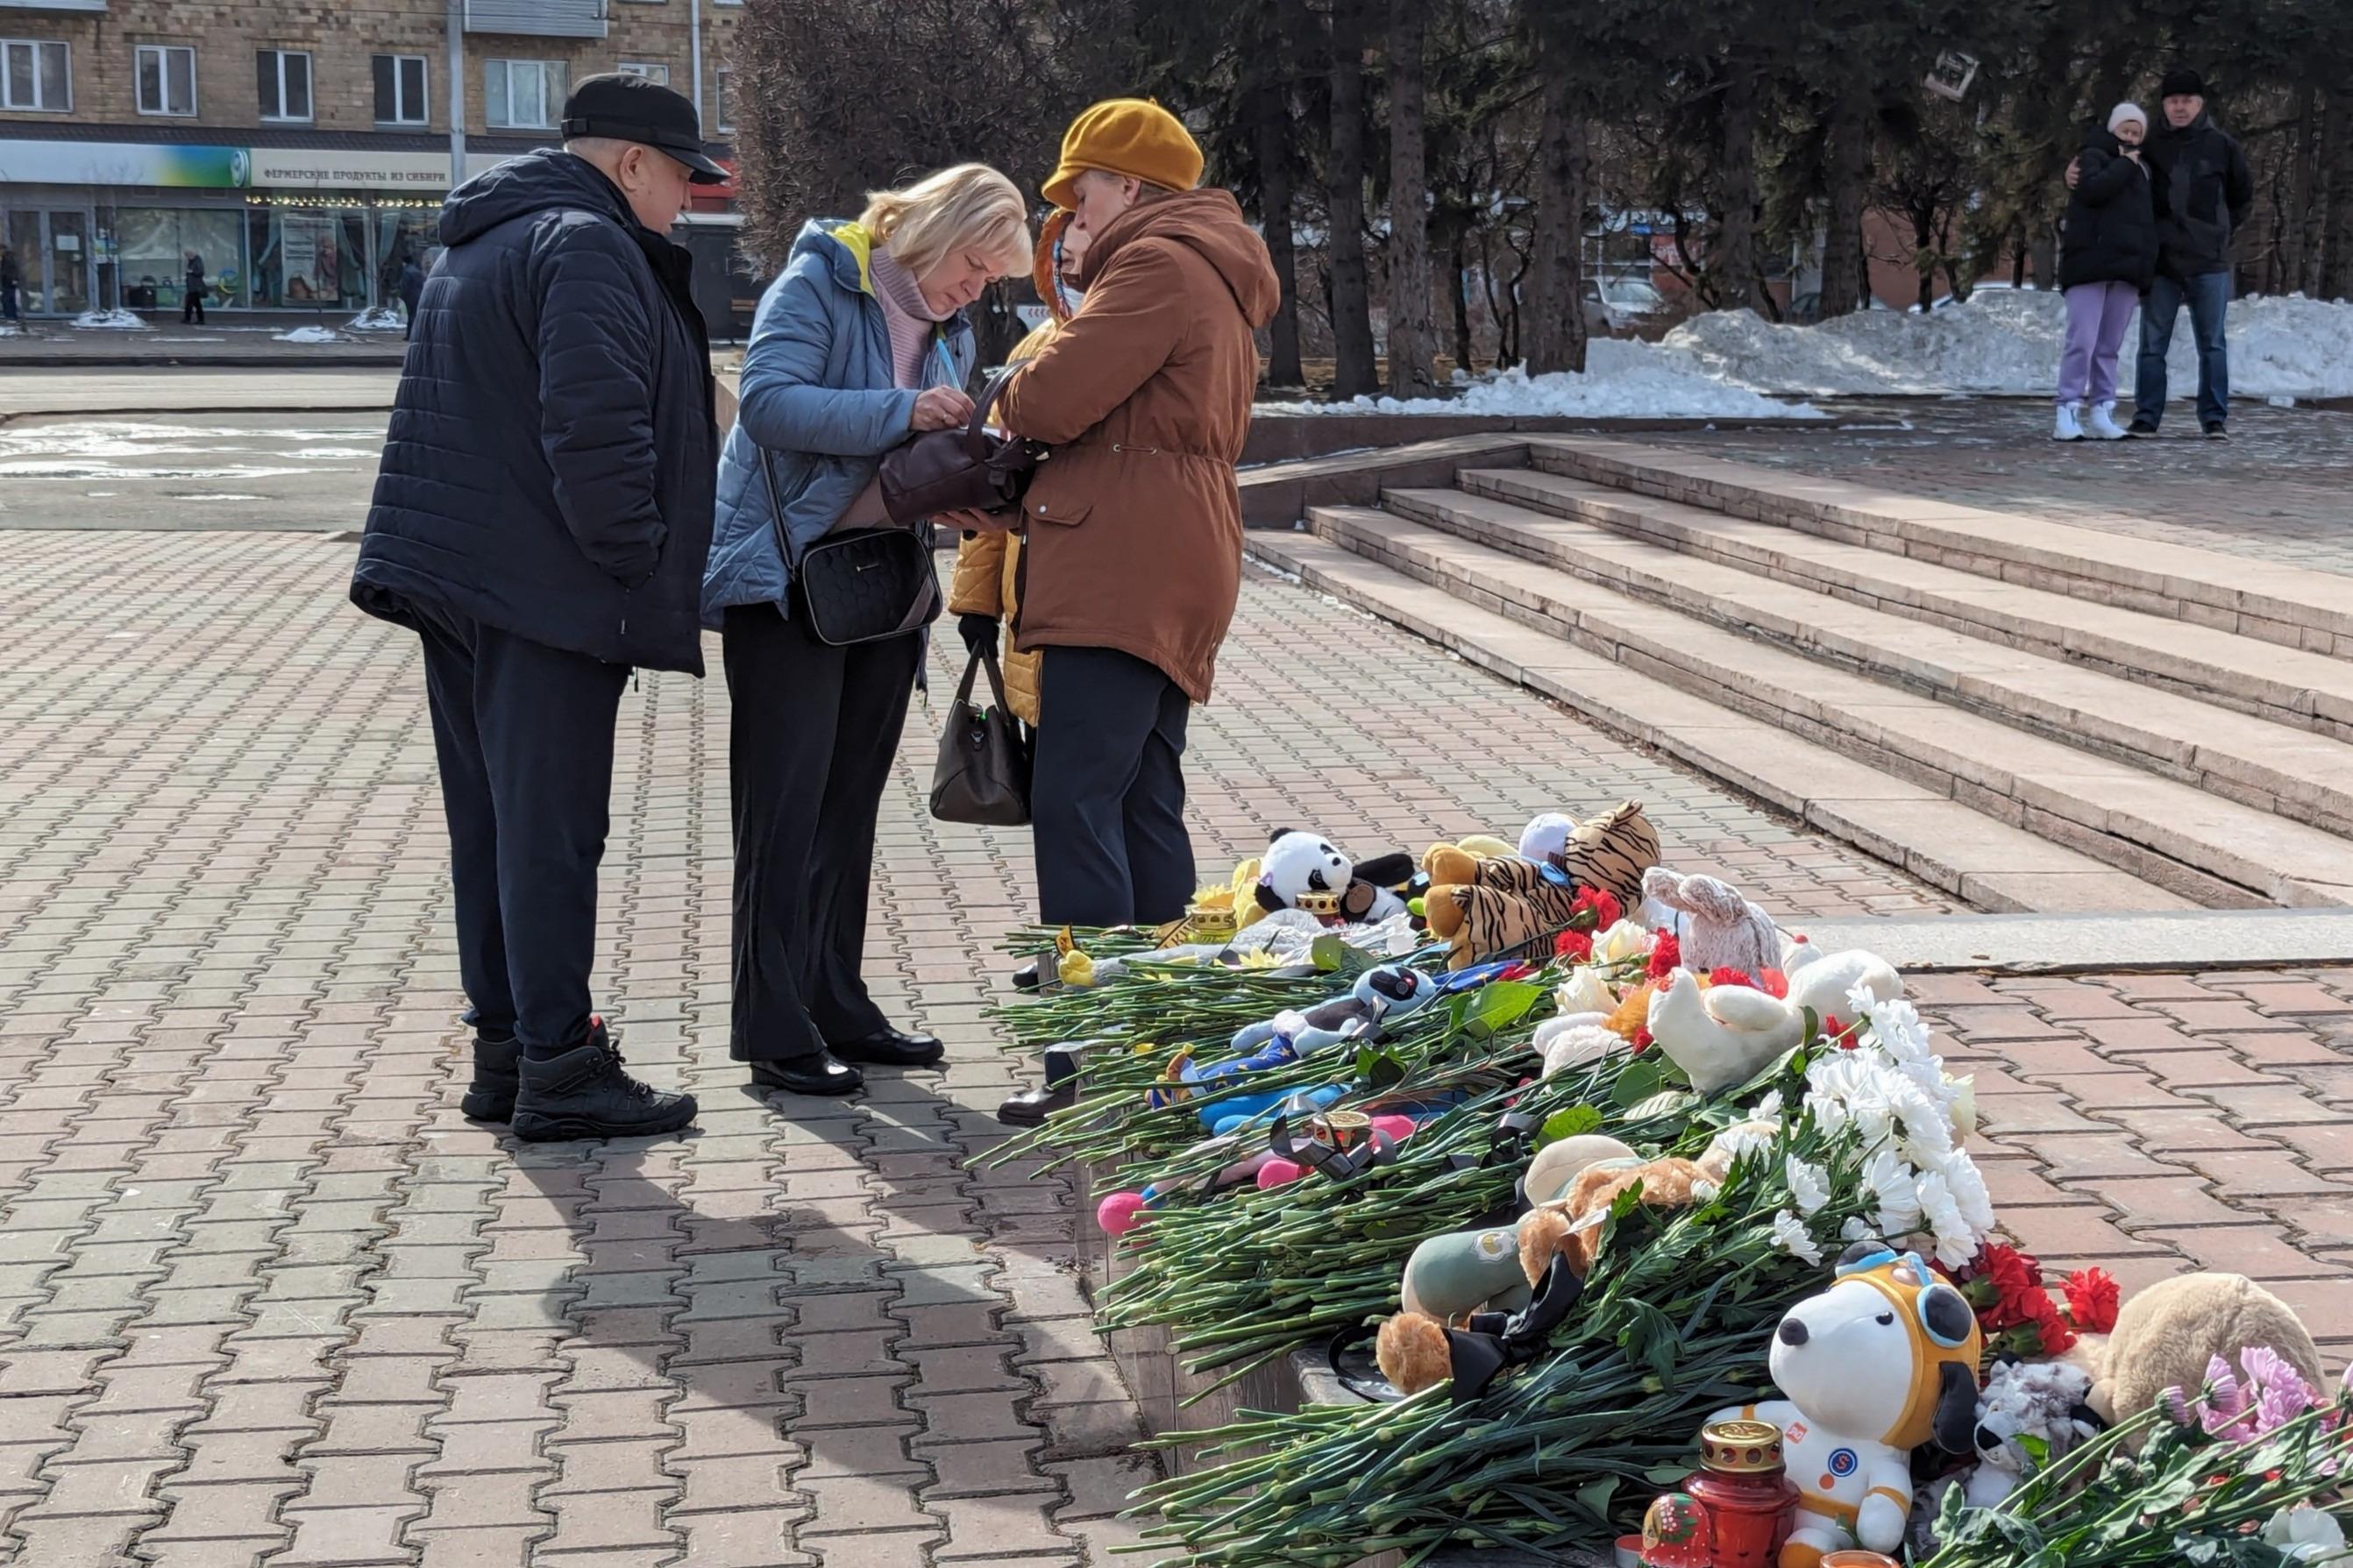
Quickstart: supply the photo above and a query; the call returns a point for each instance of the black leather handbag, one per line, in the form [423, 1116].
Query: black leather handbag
[983, 775]
[960, 470]
[864, 585]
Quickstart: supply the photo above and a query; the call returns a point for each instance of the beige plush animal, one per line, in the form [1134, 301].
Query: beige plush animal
[2166, 1334]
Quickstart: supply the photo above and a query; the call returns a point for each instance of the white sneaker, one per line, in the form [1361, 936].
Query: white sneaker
[2102, 425]
[2071, 423]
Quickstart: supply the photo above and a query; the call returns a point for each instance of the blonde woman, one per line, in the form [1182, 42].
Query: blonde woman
[858, 344]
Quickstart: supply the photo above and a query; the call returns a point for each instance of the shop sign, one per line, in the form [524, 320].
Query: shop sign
[175, 167]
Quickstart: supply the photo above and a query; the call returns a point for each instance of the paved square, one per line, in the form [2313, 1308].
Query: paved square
[266, 1297]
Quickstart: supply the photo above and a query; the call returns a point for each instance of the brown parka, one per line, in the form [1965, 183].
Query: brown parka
[1133, 528]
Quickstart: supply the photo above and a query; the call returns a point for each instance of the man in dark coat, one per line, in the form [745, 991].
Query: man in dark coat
[192, 291]
[411, 287]
[2204, 192]
[541, 516]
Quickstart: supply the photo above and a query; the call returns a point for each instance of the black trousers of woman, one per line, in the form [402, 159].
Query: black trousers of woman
[810, 746]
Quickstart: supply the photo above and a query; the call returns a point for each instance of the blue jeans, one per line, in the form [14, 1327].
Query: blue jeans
[2208, 297]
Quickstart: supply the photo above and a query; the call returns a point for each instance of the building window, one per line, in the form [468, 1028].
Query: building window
[34, 75]
[284, 79]
[400, 89]
[721, 118]
[167, 79]
[658, 75]
[523, 95]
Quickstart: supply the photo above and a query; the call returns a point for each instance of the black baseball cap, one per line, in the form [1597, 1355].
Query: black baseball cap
[628, 108]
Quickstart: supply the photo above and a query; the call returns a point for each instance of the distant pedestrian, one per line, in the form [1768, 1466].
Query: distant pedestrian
[542, 515]
[11, 281]
[2204, 193]
[192, 291]
[2107, 257]
[411, 289]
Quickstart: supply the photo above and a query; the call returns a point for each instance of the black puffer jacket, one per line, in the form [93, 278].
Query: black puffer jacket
[2204, 193]
[552, 457]
[2111, 233]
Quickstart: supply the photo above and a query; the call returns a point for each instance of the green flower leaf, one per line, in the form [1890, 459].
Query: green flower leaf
[1573, 1122]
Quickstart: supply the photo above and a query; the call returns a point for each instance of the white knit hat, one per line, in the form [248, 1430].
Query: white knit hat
[2124, 111]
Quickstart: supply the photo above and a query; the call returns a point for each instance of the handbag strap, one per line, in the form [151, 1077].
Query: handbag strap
[976, 429]
[983, 656]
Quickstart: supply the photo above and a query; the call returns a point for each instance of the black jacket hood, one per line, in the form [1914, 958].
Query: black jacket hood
[536, 182]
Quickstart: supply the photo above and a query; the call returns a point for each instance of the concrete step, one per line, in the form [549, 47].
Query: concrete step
[1989, 863]
[2297, 774]
[2295, 606]
[2209, 850]
[2285, 685]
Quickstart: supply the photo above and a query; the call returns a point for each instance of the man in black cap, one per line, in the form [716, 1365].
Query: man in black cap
[541, 514]
[2204, 191]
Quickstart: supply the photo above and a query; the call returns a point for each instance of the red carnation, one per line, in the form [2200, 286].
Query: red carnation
[1727, 976]
[1997, 1281]
[1576, 945]
[1666, 953]
[1641, 1038]
[2050, 1328]
[2092, 1301]
[1598, 903]
[1776, 984]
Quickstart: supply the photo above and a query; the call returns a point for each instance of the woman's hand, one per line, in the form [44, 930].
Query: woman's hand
[941, 408]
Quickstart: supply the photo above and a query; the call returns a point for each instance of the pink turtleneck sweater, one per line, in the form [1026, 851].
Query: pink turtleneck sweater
[912, 325]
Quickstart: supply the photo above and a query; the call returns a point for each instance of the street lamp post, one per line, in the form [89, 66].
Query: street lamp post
[456, 92]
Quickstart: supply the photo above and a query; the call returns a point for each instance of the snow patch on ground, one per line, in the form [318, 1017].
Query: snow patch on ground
[311, 335]
[376, 319]
[109, 321]
[1621, 381]
[1733, 364]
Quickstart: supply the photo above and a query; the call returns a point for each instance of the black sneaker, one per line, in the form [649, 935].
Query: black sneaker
[2142, 425]
[491, 1095]
[585, 1093]
[2217, 431]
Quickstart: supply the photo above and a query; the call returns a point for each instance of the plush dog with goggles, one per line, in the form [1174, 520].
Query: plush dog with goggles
[1882, 1362]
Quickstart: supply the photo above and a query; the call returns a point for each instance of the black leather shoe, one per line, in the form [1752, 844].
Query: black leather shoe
[816, 1075]
[491, 1095]
[2141, 427]
[1030, 976]
[586, 1093]
[889, 1049]
[1032, 1106]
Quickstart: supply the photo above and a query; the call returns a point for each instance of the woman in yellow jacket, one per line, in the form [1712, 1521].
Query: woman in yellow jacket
[986, 591]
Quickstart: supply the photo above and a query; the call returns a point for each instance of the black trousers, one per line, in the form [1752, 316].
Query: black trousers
[524, 733]
[1107, 793]
[809, 744]
[191, 308]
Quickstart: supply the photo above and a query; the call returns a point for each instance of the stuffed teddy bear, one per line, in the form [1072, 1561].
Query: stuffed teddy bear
[1714, 927]
[1302, 870]
[1883, 1362]
[2166, 1334]
[1607, 853]
[1476, 846]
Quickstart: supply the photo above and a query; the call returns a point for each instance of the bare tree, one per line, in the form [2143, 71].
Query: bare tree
[1411, 331]
[1556, 295]
[1353, 371]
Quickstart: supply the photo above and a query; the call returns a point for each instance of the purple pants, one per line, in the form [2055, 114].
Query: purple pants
[2097, 314]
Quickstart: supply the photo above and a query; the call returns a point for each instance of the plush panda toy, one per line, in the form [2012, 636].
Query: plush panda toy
[1302, 871]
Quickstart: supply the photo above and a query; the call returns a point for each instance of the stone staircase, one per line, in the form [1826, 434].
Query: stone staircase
[2032, 716]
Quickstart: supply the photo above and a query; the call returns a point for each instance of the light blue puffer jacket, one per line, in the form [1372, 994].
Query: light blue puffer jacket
[817, 394]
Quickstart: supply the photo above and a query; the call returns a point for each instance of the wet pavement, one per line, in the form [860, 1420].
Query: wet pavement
[250, 471]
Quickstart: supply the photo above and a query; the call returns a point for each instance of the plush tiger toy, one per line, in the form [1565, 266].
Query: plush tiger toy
[1488, 908]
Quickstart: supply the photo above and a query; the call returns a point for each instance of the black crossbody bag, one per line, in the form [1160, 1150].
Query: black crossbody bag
[864, 586]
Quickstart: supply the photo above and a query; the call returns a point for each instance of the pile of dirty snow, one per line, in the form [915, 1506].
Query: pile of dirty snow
[1734, 364]
[376, 319]
[109, 321]
[311, 335]
[1621, 381]
[2006, 341]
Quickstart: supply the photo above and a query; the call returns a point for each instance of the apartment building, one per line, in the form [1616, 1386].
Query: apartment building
[300, 147]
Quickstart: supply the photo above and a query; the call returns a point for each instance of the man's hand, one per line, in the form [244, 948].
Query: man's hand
[2075, 171]
[941, 408]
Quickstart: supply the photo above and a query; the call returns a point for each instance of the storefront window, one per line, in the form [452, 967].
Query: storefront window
[316, 256]
[153, 245]
[403, 236]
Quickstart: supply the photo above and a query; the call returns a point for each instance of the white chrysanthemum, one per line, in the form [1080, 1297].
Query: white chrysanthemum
[1745, 1137]
[1857, 1228]
[1790, 1235]
[1968, 1186]
[1895, 1187]
[1809, 1186]
[1963, 1105]
[1585, 992]
[1956, 1239]
[1894, 1025]
[1768, 1109]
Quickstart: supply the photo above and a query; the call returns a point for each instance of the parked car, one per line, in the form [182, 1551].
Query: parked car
[1625, 307]
[1975, 290]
